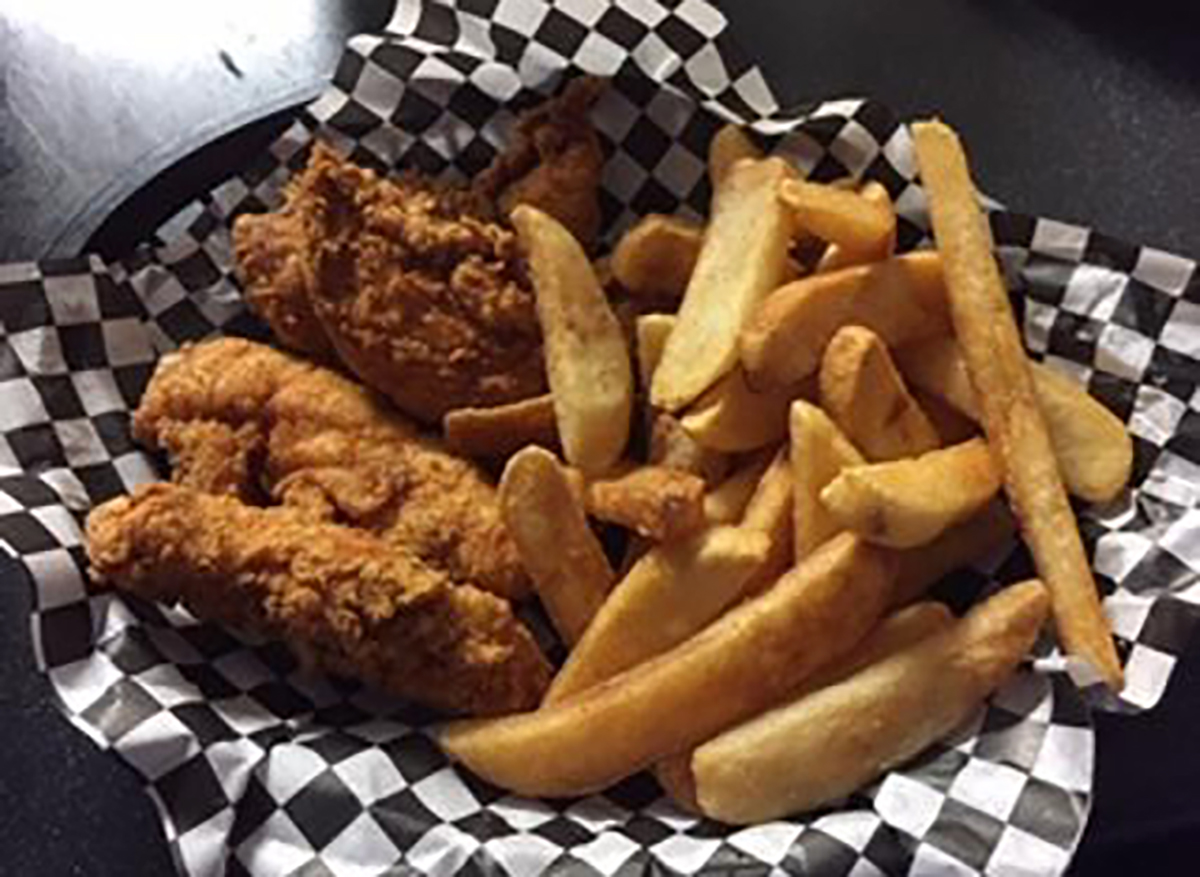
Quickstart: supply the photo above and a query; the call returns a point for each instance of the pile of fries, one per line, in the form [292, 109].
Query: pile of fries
[831, 428]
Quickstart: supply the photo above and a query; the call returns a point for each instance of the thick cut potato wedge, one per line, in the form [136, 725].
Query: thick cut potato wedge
[770, 512]
[837, 257]
[650, 333]
[502, 430]
[558, 549]
[1093, 448]
[673, 447]
[1009, 406]
[819, 453]
[863, 228]
[864, 394]
[906, 503]
[739, 665]
[742, 259]
[726, 503]
[972, 540]
[587, 364]
[731, 417]
[900, 300]
[655, 258]
[826, 744]
[729, 145]
[671, 592]
[654, 501]
[896, 632]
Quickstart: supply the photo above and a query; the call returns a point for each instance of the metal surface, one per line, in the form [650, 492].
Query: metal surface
[1082, 111]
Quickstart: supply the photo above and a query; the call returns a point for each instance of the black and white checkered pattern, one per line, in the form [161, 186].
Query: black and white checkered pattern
[259, 769]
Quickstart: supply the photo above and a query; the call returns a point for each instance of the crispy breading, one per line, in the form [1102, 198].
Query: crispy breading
[344, 600]
[328, 445]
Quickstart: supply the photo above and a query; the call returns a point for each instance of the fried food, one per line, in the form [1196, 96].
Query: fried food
[1011, 414]
[346, 601]
[1094, 450]
[653, 501]
[729, 145]
[972, 540]
[769, 512]
[314, 439]
[739, 665]
[587, 362]
[864, 394]
[902, 299]
[502, 430]
[732, 417]
[819, 453]
[908, 502]
[672, 447]
[564, 558]
[650, 337]
[864, 229]
[726, 503]
[837, 257]
[742, 259]
[826, 744]
[655, 258]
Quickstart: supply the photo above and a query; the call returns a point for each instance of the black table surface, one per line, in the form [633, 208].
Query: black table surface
[113, 114]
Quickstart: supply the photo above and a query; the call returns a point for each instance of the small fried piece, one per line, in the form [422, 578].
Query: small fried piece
[587, 364]
[655, 258]
[972, 540]
[769, 512]
[656, 502]
[830, 742]
[742, 259]
[731, 417]
[502, 430]
[837, 257]
[344, 600]
[672, 447]
[669, 594]
[1011, 414]
[865, 395]
[819, 453]
[737, 666]
[726, 503]
[1091, 443]
[560, 552]
[900, 300]
[905, 503]
[862, 228]
[729, 145]
[651, 332]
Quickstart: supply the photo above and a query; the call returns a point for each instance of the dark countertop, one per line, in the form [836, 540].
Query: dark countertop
[1081, 111]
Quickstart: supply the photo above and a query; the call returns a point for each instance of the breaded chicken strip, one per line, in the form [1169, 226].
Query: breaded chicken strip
[245, 419]
[344, 600]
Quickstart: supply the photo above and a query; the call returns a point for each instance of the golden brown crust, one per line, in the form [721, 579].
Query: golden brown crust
[334, 448]
[344, 599]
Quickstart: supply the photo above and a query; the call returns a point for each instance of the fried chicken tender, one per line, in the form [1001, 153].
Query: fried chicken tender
[418, 287]
[247, 420]
[344, 600]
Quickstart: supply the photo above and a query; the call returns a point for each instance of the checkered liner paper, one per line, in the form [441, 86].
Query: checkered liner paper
[257, 768]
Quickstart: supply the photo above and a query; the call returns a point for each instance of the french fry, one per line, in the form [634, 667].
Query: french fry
[901, 299]
[837, 257]
[655, 258]
[865, 395]
[564, 559]
[726, 503]
[952, 426]
[673, 447]
[975, 538]
[819, 452]
[830, 742]
[1093, 448]
[729, 145]
[737, 666]
[502, 430]
[1011, 415]
[769, 511]
[863, 228]
[669, 594]
[743, 258]
[651, 331]
[731, 417]
[587, 364]
[905, 628]
[653, 501]
[905, 503]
